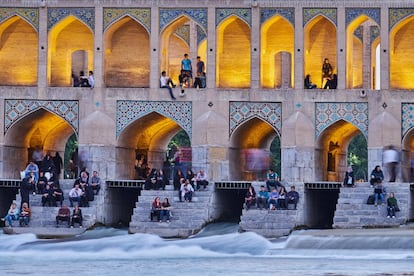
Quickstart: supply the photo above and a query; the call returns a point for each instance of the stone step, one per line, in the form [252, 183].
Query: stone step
[268, 233]
[165, 231]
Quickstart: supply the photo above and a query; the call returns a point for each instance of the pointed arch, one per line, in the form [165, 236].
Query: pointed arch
[400, 52]
[272, 64]
[127, 54]
[67, 36]
[18, 51]
[319, 42]
[233, 61]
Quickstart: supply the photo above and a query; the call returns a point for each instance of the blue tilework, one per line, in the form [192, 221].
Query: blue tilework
[86, 15]
[112, 15]
[310, 13]
[287, 13]
[398, 14]
[353, 13]
[243, 14]
[30, 15]
[167, 16]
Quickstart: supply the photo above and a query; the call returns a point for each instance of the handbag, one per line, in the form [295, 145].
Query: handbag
[397, 209]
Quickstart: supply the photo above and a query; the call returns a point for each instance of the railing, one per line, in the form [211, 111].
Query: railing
[323, 185]
[138, 184]
[10, 183]
[224, 185]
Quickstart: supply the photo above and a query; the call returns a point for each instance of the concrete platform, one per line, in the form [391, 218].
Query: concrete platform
[45, 233]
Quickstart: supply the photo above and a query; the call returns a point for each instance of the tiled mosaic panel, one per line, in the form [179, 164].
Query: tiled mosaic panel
[269, 112]
[14, 110]
[327, 114]
[169, 15]
[184, 33]
[310, 13]
[396, 15]
[374, 33]
[244, 14]
[30, 15]
[112, 15]
[407, 117]
[287, 13]
[201, 35]
[129, 111]
[86, 15]
[358, 33]
[353, 13]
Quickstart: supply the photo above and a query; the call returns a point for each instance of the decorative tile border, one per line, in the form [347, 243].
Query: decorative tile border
[30, 15]
[374, 33]
[310, 13]
[86, 15]
[197, 14]
[243, 14]
[327, 114]
[14, 110]
[398, 14]
[184, 33]
[287, 13]
[407, 118]
[201, 35]
[111, 15]
[358, 33]
[129, 111]
[269, 112]
[353, 13]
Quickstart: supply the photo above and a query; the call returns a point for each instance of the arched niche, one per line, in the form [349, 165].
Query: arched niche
[66, 37]
[332, 151]
[233, 62]
[18, 52]
[249, 152]
[127, 54]
[277, 59]
[319, 43]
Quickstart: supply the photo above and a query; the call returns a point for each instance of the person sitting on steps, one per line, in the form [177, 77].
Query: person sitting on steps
[156, 209]
[380, 192]
[77, 216]
[392, 206]
[250, 198]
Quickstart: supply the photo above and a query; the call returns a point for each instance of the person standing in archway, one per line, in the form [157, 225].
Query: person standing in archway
[391, 159]
[326, 71]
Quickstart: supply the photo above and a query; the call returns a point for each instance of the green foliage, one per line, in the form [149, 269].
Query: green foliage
[358, 157]
[181, 139]
[70, 148]
[275, 155]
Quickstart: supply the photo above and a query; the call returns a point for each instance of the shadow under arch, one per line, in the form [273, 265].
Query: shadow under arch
[401, 50]
[66, 37]
[177, 38]
[249, 152]
[39, 129]
[127, 54]
[149, 136]
[355, 52]
[18, 52]
[332, 151]
[319, 43]
[277, 59]
[233, 53]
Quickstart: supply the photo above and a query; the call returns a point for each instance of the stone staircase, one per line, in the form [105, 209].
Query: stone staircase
[188, 217]
[352, 210]
[272, 223]
[46, 216]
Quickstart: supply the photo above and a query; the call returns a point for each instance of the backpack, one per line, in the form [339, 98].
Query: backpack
[371, 200]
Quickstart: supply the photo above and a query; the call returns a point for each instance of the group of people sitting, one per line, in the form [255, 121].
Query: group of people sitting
[85, 189]
[64, 215]
[161, 209]
[82, 80]
[274, 200]
[15, 214]
[187, 184]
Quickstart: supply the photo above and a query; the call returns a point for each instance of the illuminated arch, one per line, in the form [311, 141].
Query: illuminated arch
[319, 43]
[233, 61]
[18, 51]
[273, 31]
[127, 54]
[400, 52]
[66, 37]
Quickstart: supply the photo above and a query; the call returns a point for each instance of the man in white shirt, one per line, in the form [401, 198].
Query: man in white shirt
[202, 179]
[165, 82]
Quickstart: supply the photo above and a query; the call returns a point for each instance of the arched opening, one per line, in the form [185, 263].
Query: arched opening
[233, 54]
[358, 157]
[320, 43]
[401, 51]
[65, 38]
[361, 58]
[145, 138]
[179, 38]
[250, 151]
[127, 54]
[331, 156]
[18, 52]
[407, 156]
[40, 130]
[276, 62]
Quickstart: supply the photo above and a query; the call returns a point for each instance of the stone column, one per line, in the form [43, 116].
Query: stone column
[286, 72]
[384, 51]
[211, 48]
[366, 56]
[298, 48]
[155, 49]
[98, 43]
[193, 47]
[341, 48]
[255, 49]
[43, 48]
